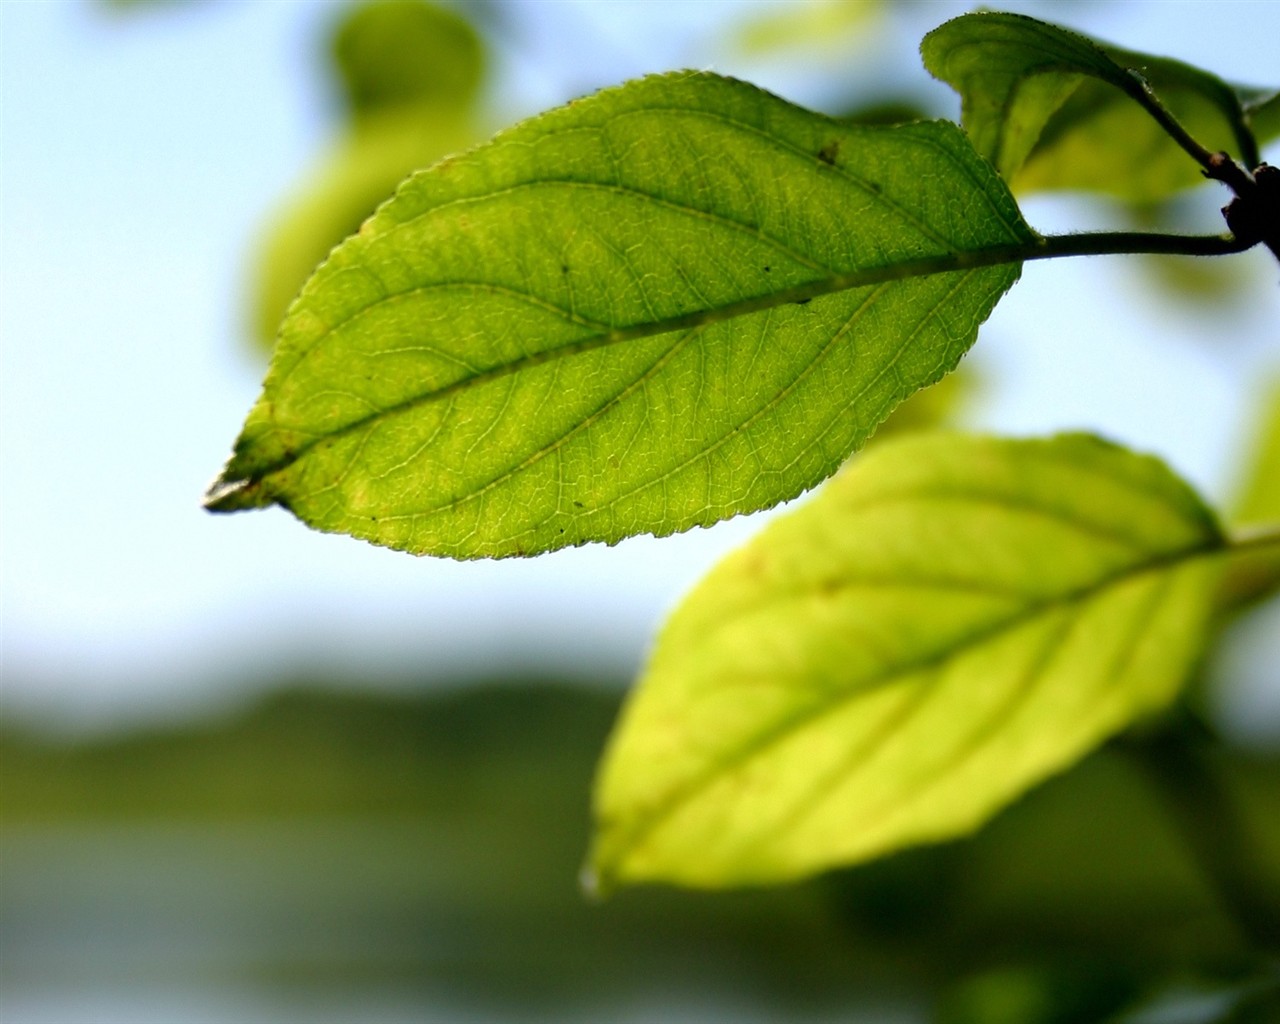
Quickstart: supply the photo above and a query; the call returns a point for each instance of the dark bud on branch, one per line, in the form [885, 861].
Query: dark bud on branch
[1254, 214]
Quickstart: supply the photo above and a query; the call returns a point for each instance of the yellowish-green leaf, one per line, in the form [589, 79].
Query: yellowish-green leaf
[809, 27]
[649, 310]
[934, 408]
[1102, 141]
[1259, 500]
[1255, 575]
[1055, 110]
[1263, 112]
[947, 623]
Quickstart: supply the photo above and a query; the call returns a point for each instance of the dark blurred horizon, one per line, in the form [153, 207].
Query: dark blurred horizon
[415, 856]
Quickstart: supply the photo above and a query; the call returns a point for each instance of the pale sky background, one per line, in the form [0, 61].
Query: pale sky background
[140, 156]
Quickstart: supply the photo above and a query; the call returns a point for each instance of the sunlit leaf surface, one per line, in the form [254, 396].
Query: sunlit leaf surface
[949, 622]
[1055, 110]
[1259, 501]
[652, 309]
[1253, 576]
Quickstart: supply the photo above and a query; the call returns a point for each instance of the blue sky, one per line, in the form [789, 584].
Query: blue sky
[139, 158]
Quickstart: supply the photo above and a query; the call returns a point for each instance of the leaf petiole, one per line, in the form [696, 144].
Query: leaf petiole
[1251, 538]
[1104, 243]
[1141, 91]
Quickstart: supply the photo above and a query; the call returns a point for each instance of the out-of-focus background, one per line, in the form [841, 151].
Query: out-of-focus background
[253, 773]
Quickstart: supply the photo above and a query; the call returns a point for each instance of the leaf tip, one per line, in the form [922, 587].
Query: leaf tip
[232, 493]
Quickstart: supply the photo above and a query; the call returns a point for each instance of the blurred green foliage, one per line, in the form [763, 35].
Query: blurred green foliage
[436, 838]
[410, 74]
[1255, 576]
[801, 30]
[391, 54]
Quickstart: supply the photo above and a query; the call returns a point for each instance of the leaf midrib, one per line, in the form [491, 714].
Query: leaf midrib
[939, 264]
[922, 231]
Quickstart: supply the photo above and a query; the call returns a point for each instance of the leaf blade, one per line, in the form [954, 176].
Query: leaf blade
[595, 325]
[1254, 576]
[1011, 603]
[1053, 109]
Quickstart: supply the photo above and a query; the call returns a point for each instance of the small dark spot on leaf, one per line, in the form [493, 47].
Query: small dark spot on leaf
[564, 268]
[578, 504]
[828, 153]
[766, 270]
[803, 302]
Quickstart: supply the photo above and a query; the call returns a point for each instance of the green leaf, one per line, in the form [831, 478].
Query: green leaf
[649, 310]
[949, 622]
[1253, 576]
[936, 407]
[1259, 500]
[1263, 112]
[1055, 110]
[809, 29]
[1102, 141]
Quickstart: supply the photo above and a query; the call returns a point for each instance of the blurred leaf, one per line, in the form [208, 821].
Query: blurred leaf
[1084, 995]
[1101, 140]
[1259, 500]
[1260, 1004]
[540, 343]
[393, 53]
[1180, 281]
[360, 175]
[1213, 816]
[1263, 112]
[1197, 283]
[934, 407]
[947, 623]
[1053, 109]
[1253, 576]
[808, 26]
[410, 71]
